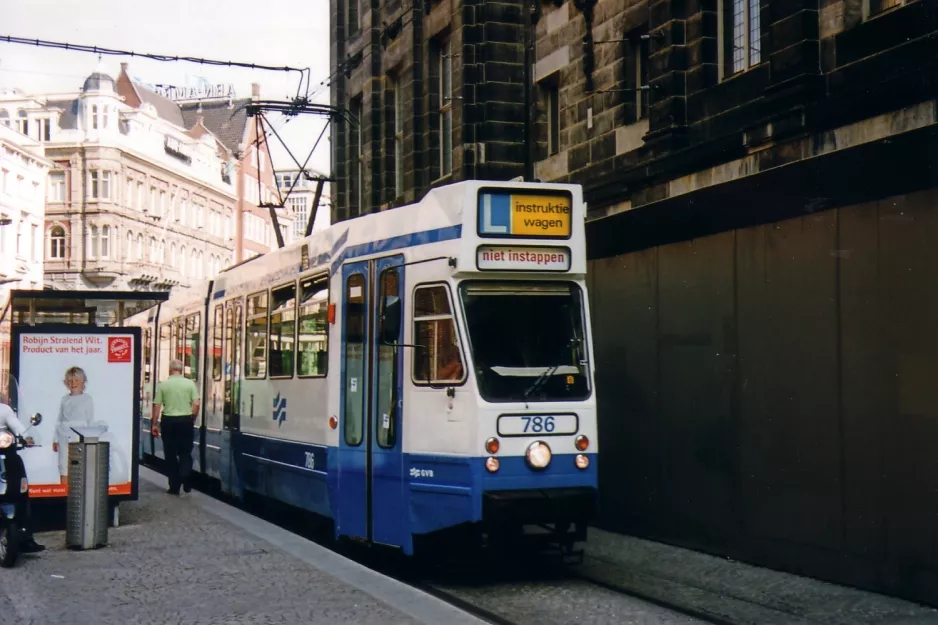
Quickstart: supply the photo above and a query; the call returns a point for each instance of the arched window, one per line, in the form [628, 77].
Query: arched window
[93, 243]
[152, 256]
[201, 265]
[194, 264]
[105, 241]
[139, 255]
[22, 124]
[162, 251]
[182, 260]
[129, 251]
[57, 242]
[172, 254]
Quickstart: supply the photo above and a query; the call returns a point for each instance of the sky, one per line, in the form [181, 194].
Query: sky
[273, 32]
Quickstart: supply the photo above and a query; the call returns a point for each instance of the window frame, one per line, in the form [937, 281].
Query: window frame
[217, 342]
[270, 314]
[445, 106]
[725, 33]
[245, 319]
[299, 286]
[413, 328]
[194, 371]
[54, 240]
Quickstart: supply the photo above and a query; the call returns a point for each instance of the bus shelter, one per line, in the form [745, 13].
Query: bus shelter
[68, 356]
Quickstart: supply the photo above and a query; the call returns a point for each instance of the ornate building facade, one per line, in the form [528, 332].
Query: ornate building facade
[138, 197]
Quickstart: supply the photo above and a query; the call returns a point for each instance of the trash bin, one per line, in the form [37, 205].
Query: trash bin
[87, 503]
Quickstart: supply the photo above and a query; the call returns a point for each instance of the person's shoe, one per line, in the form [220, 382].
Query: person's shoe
[31, 546]
[187, 488]
[171, 491]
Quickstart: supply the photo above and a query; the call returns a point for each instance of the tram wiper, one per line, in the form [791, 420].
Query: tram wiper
[540, 380]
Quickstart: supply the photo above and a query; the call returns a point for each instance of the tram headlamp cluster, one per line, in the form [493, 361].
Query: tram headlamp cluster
[492, 445]
[491, 464]
[581, 461]
[582, 442]
[6, 439]
[538, 455]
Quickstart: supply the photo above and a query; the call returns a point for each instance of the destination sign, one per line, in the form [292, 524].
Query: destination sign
[506, 214]
[517, 258]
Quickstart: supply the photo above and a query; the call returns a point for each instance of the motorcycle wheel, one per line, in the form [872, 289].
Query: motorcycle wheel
[9, 544]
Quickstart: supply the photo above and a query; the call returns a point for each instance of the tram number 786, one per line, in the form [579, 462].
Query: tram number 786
[537, 425]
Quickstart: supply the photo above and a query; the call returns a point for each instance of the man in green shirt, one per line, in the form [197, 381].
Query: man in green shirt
[178, 399]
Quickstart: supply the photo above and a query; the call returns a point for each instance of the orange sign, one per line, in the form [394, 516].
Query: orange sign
[61, 490]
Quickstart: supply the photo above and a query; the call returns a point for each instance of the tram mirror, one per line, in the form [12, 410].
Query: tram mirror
[36, 419]
[391, 320]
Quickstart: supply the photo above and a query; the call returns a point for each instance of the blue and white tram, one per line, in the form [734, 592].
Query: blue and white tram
[403, 373]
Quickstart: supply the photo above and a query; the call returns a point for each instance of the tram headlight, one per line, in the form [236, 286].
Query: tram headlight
[492, 445]
[538, 455]
[582, 442]
[6, 439]
[491, 464]
[582, 461]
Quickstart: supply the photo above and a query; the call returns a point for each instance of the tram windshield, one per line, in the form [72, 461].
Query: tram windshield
[527, 340]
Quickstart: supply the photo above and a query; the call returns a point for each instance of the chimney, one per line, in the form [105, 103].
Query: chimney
[255, 91]
[123, 68]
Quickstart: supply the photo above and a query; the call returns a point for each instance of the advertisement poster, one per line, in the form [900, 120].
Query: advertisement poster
[76, 380]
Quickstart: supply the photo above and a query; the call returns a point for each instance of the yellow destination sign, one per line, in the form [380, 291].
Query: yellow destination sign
[507, 214]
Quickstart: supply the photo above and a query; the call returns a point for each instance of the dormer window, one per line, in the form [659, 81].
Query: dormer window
[94, 116]
[22, 123]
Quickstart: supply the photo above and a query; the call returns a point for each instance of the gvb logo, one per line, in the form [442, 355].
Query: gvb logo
[415, 472]
[280, 409]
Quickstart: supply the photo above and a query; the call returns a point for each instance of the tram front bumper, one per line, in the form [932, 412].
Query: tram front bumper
[547, 506]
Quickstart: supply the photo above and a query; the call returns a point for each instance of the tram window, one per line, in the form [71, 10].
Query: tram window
[255, 344]
[313, 327]
[439, 358]
[216, 342]
[387, 364]
[191, 348]
[282, 331]
[229, 370]
[179, 337]
[147, 354]
[354, 358]
[165, 353]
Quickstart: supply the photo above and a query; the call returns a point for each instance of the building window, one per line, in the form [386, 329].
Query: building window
[878, 6]
[44, 132]
[22, 124]
[5, 118]
[100, 182]
[398, 132]
[129, 249]
[444, 93]
[94, 116]
[57, 187]
[357, 159]
[104, 116]
[57, 242]
[105, 241]
[93, 242]
[550, 99]
[640, 50]
[34, 242]
[354, 14]
[742, 50]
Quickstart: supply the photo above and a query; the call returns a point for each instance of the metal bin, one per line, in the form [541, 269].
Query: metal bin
[87, 503]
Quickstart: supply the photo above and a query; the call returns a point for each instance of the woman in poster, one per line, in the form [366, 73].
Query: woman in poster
[75, 410]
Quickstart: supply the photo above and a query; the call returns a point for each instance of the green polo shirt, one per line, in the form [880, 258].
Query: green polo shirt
[176, 395]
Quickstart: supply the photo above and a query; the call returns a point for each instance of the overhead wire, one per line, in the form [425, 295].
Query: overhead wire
[42, 43]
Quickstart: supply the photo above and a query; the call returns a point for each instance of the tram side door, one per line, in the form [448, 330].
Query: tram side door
[231, 410]
[371, 465]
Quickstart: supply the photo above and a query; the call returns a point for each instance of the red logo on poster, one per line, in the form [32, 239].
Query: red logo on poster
[118, 349]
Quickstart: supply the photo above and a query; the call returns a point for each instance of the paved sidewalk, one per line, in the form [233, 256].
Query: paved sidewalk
[726, 591]
[193, 561]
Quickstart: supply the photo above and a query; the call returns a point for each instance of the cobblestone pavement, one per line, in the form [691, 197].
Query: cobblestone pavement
[170, 562]
[726, 591]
